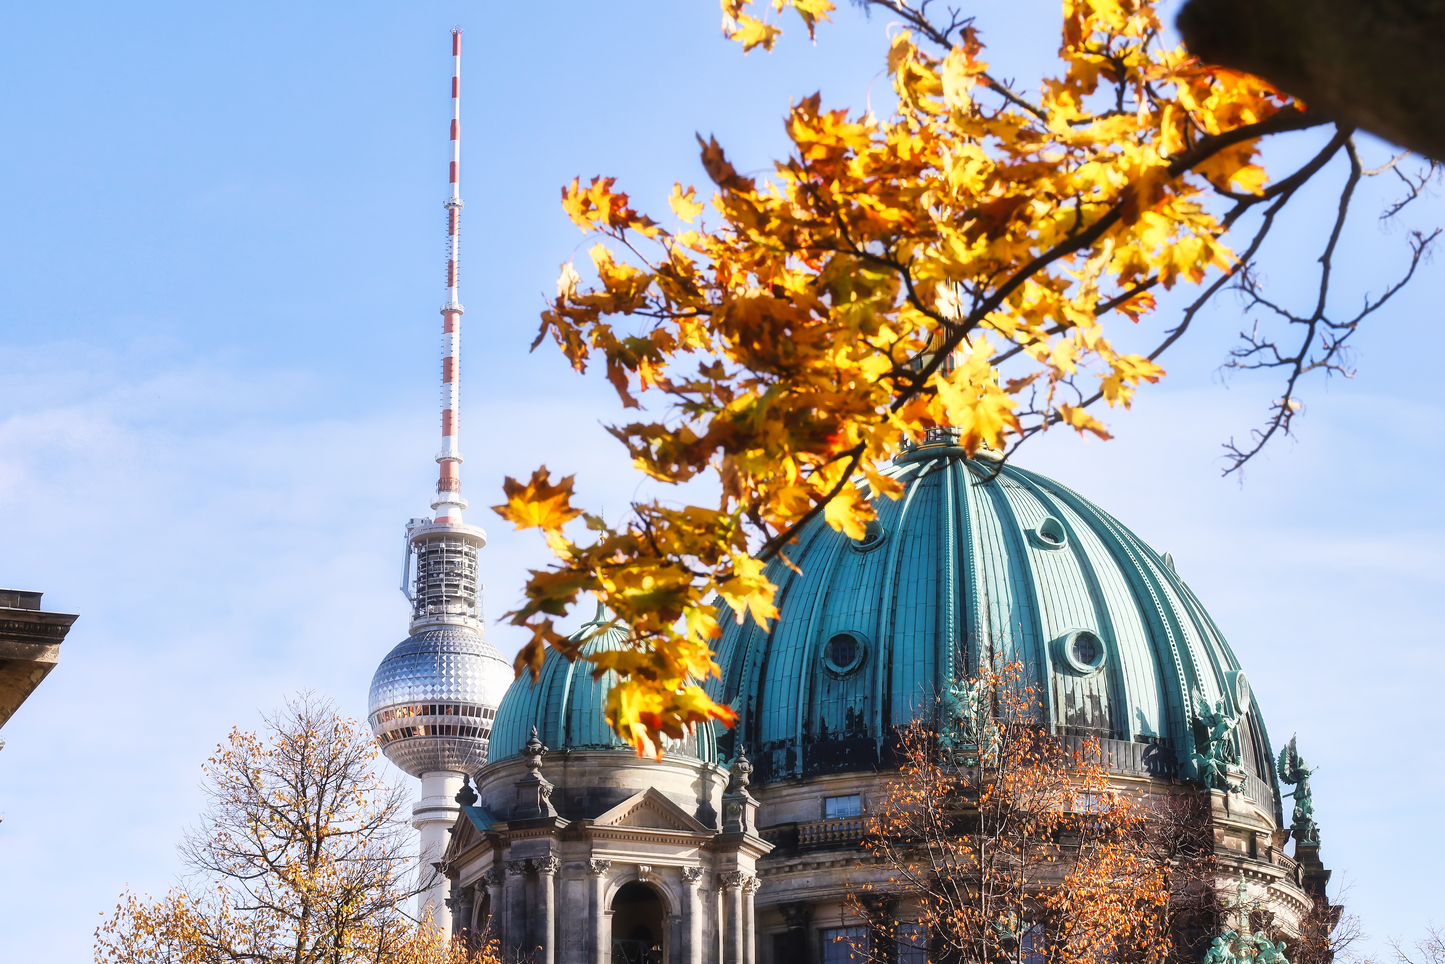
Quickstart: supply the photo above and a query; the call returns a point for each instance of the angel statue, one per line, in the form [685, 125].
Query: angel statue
[1293, 770]
[1219, 753]
[1266, 951]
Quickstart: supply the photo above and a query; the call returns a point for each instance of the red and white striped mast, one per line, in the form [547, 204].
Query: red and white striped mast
[449, 502]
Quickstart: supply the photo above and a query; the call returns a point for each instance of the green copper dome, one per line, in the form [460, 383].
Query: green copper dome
[969, 565]
[567, 705]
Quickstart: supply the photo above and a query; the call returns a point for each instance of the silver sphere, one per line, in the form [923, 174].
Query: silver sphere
[433, 700]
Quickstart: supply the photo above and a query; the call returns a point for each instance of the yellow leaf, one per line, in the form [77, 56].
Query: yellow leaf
[752, 32]
[749, 591]
[849, 513]
[683, 203]
[539, 503]
[1082, 421]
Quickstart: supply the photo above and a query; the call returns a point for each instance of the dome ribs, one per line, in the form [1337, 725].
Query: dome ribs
[1011, 568]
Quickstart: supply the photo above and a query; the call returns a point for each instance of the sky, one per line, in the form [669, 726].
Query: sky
[220, 267]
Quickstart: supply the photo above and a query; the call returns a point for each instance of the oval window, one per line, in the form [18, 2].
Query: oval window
[873, 535]
[843, 653]
[1049, 534]
[1084, 651]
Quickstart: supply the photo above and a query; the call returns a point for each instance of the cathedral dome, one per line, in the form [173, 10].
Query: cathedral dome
[433, 699]
[968, 566]
[567, 705]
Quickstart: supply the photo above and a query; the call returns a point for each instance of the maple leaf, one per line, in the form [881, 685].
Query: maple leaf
[538, 503]
[1082, 421]
[748, 591]
[683, 203]
[752, 32]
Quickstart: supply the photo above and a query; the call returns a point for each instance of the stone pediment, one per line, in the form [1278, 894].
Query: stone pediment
[650, 810]
[468, 831]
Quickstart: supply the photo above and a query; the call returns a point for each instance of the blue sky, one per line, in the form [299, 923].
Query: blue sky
[219, 274]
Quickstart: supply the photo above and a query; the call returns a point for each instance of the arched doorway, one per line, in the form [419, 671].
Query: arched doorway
[637, 920]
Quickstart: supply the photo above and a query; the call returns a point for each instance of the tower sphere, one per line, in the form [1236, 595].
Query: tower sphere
[433, 699]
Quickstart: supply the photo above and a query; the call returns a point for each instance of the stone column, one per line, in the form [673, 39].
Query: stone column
[462, 900]
[547, 869]
[492, 926]
[750, 929]
[514, 937]
[798, 917]
[732, 882]
[691, 916]
[600, 951]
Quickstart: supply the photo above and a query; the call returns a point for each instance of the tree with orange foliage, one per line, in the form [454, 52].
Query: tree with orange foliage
[300, 858]
[959, 264]
[1004, 845]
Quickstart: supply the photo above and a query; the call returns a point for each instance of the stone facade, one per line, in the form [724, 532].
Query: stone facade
[680, 856]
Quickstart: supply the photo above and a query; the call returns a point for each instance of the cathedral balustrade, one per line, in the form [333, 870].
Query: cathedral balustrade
[818, 834]
[1155, 758]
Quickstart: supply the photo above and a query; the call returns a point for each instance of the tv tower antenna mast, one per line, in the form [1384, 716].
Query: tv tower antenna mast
[449, 502]
[435, 695]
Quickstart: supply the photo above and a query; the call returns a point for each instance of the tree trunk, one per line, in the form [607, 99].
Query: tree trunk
[1376, 64]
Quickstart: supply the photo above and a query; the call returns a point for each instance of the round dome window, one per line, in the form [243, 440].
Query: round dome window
[873, 535]
[843, 653]
[1049, 534]
[1083, 651]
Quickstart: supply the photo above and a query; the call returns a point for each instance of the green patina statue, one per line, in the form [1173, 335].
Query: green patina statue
[1293, 770]
[965, 733]
[1217, 755]
[1233, 947]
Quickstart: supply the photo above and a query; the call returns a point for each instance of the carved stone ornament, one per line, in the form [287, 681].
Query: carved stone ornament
[797, 915]
[598, 867]
[735, 878]
[644, 870]
[548, 865]
[494, 877]
[752, 885]
[516, 868]
[534, 793]
[533, 751]
[691, 875]
[466, 796]
[740, 773]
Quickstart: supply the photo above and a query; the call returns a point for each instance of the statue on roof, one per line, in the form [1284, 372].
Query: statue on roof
[1294, 771]
[1215, 754]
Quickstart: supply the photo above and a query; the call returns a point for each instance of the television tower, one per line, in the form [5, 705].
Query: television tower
[435, 695]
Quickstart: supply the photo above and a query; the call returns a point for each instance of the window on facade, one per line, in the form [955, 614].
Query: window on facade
[843, 650]
[844, 945]
[912, 944]
[1086, 649]
[849, 806]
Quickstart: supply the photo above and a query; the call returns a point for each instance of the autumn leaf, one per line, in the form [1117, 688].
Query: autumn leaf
[684, 204]
[539, 503]
[752, 32]
[1082, 421]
